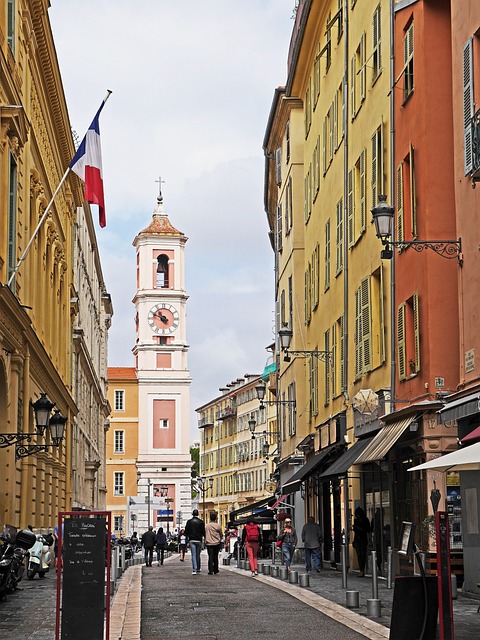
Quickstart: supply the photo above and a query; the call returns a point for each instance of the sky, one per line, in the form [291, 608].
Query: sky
[192, 85]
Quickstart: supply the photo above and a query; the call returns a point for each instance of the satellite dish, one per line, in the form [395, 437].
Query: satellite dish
[365, 401]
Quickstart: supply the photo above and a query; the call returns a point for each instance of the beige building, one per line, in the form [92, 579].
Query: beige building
[44, 306]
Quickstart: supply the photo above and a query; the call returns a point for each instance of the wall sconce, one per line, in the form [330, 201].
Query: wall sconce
[252, 423]
[261, 389]
[285, 335]
[382, 215]
[56, 423]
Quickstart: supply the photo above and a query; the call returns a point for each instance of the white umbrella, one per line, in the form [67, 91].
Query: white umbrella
[466, 459]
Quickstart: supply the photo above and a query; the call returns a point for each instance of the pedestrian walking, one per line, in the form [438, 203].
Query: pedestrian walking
[134, 542]
[361, 529]
[288, 536]
[182, 544]
[195, 532]
[312, 540]
[251, 539]
[148, 542]
[161, 545]
[213, 541]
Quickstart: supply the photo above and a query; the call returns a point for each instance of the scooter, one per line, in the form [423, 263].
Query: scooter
[12, 560]
[40, 556]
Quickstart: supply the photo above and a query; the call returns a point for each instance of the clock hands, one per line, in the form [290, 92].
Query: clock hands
[163, 318]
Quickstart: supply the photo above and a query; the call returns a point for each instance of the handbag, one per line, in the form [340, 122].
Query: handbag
[279, 543]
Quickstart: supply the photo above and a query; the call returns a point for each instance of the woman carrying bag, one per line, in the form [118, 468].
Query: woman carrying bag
[288, 538]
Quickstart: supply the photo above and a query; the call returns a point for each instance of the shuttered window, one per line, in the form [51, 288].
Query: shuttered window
[408, 63]
[377, 165]
[327, 368]
[413, 194]
[327, 255]
[363, 328]
[400, 212]
[377, 43]
[350, 208]
[402, 351]
[468, 104]
[339, 245]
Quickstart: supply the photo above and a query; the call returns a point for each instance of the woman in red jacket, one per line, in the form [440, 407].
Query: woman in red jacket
[251, 539]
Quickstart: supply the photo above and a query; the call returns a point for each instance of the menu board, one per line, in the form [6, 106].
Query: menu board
[83, 578]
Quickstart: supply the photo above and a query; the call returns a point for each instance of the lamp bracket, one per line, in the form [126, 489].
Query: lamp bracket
[448, 249]
[289, 403]
[24, 450]
[7, 439]
[324, 356]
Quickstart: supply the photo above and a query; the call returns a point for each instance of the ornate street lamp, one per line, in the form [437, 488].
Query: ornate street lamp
[261, 389]
[382, 215]
[285, 336]
[204, 485]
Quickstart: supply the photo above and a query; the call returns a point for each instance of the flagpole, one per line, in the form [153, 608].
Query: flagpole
[45, 213]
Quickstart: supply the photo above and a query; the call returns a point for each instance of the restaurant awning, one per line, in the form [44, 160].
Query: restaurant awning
[473, 436]
[341, 466]
[461, 408]
[294, 483]
[254, 508]
[384, 440]
[465, 459]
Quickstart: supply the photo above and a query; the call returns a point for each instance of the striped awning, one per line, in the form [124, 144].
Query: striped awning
[461, 408]
[384, 441]
[340, 467]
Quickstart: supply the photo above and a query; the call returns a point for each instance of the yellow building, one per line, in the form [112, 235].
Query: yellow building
[122, 448]
[327, 150]
[234, 466]
[40, 298]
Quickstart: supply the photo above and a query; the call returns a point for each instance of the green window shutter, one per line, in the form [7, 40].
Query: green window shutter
[362, 67]
[363, 192]
[339, 265]
[327, 367]
[402, 351]
[375, 194]
[333, 363]
[416, 329]
[324, 147]
[352, 87]
[358, 334]
[400, 213]
[327, 255]
[351, 209]
[366, 325]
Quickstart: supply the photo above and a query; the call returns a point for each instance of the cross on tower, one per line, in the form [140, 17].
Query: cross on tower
[160, 197]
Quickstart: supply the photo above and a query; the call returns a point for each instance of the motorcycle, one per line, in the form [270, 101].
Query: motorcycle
[39, 557]
[12, 560]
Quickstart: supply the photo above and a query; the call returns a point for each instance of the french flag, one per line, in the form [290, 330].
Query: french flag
[87, 164]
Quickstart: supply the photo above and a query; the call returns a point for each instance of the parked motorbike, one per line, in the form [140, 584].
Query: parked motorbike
[12, 561]
[39, 557]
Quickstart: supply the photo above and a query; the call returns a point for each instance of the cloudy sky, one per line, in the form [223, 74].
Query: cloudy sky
[192, 83]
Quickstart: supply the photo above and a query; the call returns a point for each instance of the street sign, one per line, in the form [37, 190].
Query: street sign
[165, 512]
[164, 518]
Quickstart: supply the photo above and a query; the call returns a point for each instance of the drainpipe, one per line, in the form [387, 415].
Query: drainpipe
[393, 350]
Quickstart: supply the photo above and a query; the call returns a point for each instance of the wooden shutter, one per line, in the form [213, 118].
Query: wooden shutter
[382, 317]
[339, 265]
[363, 192]
[413, 195]
[358, 334]
[366, 325]
[401, 342]
[362, 67]
[324, 147]
[416, 330]
[278, 166]
[400, 212]
[468, 104]
[327, 367]
[375, 193]
[327, 255]
[342, 355]
[333, 363]
[351, 208]
[353, 80]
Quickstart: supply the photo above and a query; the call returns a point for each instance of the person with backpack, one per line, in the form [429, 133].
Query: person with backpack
[251, 538]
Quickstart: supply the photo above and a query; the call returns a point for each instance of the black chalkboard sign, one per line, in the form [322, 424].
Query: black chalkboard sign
[83, 578]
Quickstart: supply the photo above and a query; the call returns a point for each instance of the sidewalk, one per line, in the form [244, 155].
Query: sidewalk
[325, 594]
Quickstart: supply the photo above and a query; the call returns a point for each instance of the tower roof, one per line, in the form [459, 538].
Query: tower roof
[160, 224]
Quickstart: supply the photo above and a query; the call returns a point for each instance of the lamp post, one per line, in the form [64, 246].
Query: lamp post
[382, 215]
[204, 485]
[168, 501]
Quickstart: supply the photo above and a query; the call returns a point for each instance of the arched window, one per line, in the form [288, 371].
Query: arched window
[162, 271]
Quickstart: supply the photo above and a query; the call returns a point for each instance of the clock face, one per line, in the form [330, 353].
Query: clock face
[163, 318]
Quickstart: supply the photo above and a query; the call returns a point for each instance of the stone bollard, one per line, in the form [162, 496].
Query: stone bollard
[304, 580]
[266, 569]
[274, 571]
[453, 578]
[374, 608]
[353, 599]
[260, 567]
[282, 573]
[293, 577]
[241, 564]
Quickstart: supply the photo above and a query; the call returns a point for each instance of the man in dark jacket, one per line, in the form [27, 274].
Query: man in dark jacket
[148, 541]
[195, 532]
[161, 545]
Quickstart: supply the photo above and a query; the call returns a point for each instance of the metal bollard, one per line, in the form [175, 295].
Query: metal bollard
[344, 566]
[304, 580]
[374, 608]
[273, 546]
[266, 569]
[352, 599]
[238, 555]
[282, 573]
[274, 571]
[389, 567]
[374, 576]
[241, 564]
[453, 578]
[293, 577]
[260, 566]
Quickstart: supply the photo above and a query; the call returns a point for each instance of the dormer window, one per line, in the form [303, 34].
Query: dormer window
[162, 271]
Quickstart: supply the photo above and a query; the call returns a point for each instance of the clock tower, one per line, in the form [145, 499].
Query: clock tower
[164, 461]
